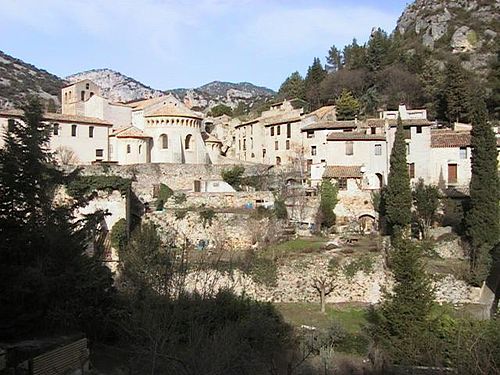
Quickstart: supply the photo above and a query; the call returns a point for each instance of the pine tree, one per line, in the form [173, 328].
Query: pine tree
[397, 196]
[315, 75]
[334, 59]
[378, 46]
[292, 87]
[483, 218]
[45, 278]
[346, 106]
[354, 56]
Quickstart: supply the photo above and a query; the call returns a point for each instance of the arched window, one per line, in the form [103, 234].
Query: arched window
[65, 97]
[82, 95]
[187, 143]
[278, 160]
[164, 141]
[128, 149]
[140, 148]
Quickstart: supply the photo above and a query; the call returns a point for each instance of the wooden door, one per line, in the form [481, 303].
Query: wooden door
[452, 173]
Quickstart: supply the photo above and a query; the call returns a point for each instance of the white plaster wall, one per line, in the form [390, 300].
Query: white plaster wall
[114, 203]
[438, 163]
[139, 150]
[119, 116]
[83, 146]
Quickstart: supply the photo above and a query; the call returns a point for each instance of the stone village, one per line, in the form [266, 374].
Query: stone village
[160, 141]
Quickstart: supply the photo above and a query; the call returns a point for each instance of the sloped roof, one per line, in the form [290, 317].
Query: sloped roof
[141, 104]
[129, 132]
[330, 125]
[354, 136]
[447, 138]
[59, 117]
[343, 171]
[211, 139]
[173, 110]
[320, 113]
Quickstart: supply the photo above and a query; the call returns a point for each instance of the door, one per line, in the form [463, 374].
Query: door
[452, 173]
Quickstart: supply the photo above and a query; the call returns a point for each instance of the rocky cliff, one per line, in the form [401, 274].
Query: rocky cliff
[467, 28]
[120, 88]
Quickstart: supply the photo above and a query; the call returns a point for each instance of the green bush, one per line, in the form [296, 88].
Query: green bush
[233, 176]
[180, 214]
[179, 198]
[84, 185]
[119, 234]
[364, 263]
[264, 271]
[280, 208]
[206, 216]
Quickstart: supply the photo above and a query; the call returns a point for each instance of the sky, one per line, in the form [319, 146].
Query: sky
[186, 43]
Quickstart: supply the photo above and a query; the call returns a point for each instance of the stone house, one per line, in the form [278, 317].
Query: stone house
[75, 139]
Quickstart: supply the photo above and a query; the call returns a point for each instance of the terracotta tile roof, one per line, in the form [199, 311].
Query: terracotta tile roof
[449, 138]
[343, 171]
[174, 110]
[59, 117]
[141, 104]
[320, 113]
[330, 125]
[354, 136]
[129, 132]
[280, 119]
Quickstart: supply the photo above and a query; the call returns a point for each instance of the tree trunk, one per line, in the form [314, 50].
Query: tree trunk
[322, 299]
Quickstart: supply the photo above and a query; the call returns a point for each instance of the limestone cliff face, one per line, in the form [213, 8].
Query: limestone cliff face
[120, 88]
[468, 28]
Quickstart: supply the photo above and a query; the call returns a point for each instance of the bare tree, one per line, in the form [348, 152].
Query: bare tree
[66, 155]
[324, 286]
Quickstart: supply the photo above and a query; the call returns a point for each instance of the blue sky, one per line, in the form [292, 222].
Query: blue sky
[168, 44]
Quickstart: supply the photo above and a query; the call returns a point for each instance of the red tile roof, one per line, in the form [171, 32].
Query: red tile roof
[47, 116]
[129, 132]
[448, 138]
[343, 171]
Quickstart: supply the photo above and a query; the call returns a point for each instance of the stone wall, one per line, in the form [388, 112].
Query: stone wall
[227, 200]
[295, 283]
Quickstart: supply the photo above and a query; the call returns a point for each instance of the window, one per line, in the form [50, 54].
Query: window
[463, 152]
[407, 149]
[373, 130]
[411, 170]
[128, 149]
[452, 174]
[55, 129]
[187, 142]
[342, 183]
[244, 144]
[251, 143]
[82, 95]
[99, 153]
[278, 160]
[287, 145]
[140, 148]
[289, 130]
[310, 134]
[272, 131]
[276, 145]
[349, 148]
[91, 132]
[378, 150]
[10, 124]
[309, 165]
[164, 141]
[87, 86]
[65, 97]
[73, 130]
[278, 130]
[313, 150]
[239, 144]
[263, 153]
[419, 130]
[91, 94]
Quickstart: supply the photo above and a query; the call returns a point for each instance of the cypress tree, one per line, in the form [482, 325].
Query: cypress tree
[402, 327]
[456, 93]
[328, 201]
[482, 219]
[397, 196]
